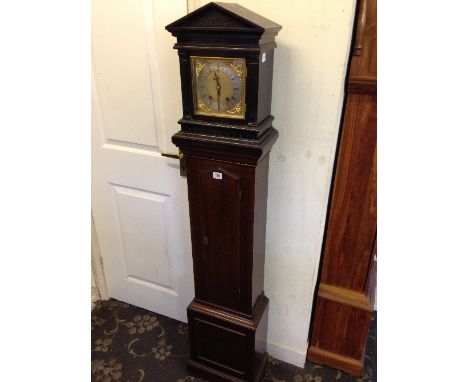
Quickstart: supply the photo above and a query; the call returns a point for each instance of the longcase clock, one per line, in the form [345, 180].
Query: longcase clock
[226, 69]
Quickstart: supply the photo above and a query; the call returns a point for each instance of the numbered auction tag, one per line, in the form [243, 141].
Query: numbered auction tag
[217, 175]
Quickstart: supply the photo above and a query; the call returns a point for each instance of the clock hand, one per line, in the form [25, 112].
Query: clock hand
[218, 88]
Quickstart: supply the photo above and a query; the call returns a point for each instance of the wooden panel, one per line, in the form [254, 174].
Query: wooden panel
[364, 64]
[260, 216]
[265, 84]
[340, 329]
[211, 339]
[345, 295]
[223, 345]
[221, 215]
[220, 210]
[352, 221]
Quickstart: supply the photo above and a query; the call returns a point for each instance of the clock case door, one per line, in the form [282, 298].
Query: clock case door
[228, 219]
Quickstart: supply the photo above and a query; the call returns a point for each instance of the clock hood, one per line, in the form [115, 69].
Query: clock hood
[227, 22]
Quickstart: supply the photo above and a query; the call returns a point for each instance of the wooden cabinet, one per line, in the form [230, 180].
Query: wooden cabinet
[345, 298]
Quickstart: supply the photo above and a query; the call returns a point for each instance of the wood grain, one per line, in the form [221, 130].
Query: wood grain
[360, 28]
[346, 292]
[223, 345]
[366, 63]
[352, 221]
[345, 296]
[334, 360]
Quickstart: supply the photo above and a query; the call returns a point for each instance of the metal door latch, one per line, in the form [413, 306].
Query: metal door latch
[181, 158]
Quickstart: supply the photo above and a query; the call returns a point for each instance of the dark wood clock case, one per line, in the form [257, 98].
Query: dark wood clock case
[228, 316]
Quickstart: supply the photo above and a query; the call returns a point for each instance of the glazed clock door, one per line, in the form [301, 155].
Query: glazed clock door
[139, 200]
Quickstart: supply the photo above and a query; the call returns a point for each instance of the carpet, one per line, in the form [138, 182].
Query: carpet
[130, 344]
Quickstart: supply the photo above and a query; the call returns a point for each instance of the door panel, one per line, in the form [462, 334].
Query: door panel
[121, 58]
[220, 206]
[223, 194]
[139, 200]
[142, 221]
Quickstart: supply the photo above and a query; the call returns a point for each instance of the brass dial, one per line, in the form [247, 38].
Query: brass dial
[219, 86]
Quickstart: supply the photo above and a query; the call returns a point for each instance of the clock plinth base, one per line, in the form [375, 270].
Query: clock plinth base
[211, 374]
[227, 346]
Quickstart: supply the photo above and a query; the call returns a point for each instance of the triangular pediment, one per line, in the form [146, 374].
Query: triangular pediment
[213, 18]
[223, 16]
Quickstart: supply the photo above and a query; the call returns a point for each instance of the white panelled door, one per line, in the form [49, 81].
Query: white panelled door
[139, 200]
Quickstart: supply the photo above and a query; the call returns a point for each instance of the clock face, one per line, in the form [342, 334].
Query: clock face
[219, 86]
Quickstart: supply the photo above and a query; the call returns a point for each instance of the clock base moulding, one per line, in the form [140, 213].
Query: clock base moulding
[226, 346]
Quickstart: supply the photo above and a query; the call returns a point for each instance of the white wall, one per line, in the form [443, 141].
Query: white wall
[310, 65]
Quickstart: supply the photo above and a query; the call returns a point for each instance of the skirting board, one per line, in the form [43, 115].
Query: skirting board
[281, 352]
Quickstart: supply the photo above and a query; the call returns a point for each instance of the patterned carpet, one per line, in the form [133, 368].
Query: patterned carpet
[130, 344]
